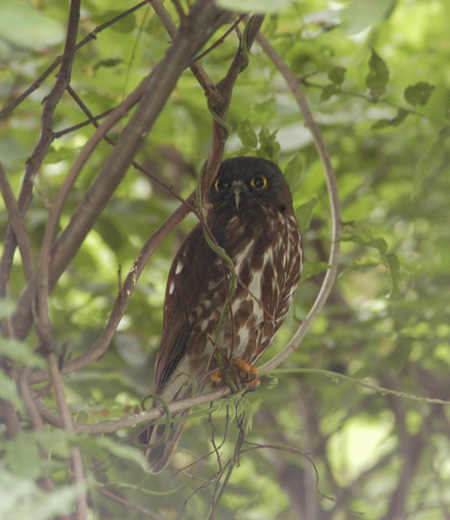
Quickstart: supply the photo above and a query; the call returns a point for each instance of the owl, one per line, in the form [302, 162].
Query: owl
[207, 327]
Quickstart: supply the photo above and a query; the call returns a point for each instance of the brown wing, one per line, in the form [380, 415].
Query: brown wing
[188, 280]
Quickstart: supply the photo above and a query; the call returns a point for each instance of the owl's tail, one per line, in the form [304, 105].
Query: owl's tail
[159, 456]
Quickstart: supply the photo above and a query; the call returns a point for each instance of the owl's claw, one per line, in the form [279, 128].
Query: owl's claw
[241, 373]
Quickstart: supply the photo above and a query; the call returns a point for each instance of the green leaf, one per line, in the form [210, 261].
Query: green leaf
[419, 94]
[394, 272]
[401, 115]
[328, 91]
[20, 498]
[362, 263]
[19, 351]
[269, 147]
[337, 75]
[8, 390]
[24, 457]
[313, 268]
[41, 30]
[124, 452]
[246, 134]
[364, 237]
[362, 13]
[428, 163]
[124, 25]
[292, 172]
[378, 76]
[7, 308]
[255, 6]
[107, 63]
[304, 213]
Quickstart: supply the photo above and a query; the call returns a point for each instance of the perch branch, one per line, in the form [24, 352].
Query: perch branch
[330, 276]
[154, 414]
[132, 420]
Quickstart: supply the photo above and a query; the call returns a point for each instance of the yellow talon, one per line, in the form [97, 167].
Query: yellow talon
[240, 372]
[217, 377]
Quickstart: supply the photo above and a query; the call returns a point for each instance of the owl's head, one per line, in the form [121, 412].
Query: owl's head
[244, 180]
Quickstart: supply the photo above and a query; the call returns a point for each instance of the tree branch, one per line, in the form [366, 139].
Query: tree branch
[127, 504]
[210, 88]
[17, 225]
[46, 137]
[75, 454]
[91, 36]
[330, 277]
[136, 419]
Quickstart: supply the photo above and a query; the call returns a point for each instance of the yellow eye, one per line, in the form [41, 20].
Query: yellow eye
[220, 185]
[259, 182]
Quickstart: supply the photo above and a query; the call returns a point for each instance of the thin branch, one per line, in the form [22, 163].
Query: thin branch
[45, 139]
[101, 345]
[75, 454]
[89, 121]
[10, 418]
[128, 505]
[219, 41]
[226, 85]
[134, 420]
[330, 277]
[210, 88]
[18, 227]
[91, 36]
[359, 382]
[136, 165]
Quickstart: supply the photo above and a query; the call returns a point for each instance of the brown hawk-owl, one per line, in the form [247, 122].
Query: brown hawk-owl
[249, 213]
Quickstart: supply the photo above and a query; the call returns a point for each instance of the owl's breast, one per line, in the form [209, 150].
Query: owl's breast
[265, 253]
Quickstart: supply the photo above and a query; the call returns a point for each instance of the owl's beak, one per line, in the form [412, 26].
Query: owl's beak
[237, 189]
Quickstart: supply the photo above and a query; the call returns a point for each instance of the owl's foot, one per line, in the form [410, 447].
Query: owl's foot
[241, 373]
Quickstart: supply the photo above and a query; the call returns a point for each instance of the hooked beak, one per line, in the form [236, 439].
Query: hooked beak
[237, 189]
[237, 193]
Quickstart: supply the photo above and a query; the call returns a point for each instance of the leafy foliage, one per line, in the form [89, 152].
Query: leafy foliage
[375, 75]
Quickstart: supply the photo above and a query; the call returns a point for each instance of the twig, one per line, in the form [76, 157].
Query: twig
[18, 227]
[91, 36]
[10, 418]
[330, 276]
[226, 85]
[75, 454]
[360, 382]
[89, 121]
[46, 136]
[136, 165]
[210, 88]
[129, 505]
[23, 385]
[219, 41]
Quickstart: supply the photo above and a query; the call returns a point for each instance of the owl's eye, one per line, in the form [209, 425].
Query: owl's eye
[220, 185]
[259, 182]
